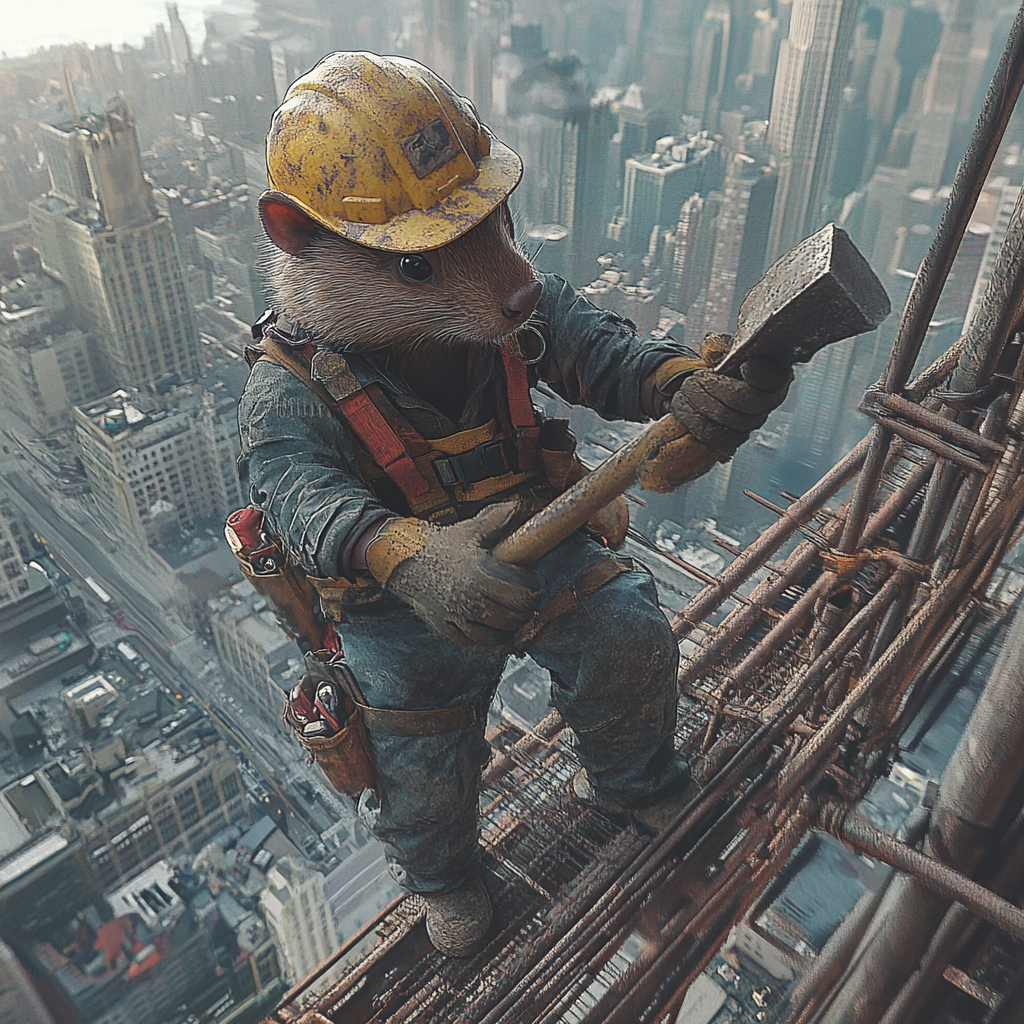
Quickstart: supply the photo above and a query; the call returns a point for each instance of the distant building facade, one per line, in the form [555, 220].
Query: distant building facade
[167, 808]
[162, 460]
[299, 917]
[48, 364]
[13, 571]
[656, 184]
[252, 648]
[741, 238]
[808, 88]
[97, 231]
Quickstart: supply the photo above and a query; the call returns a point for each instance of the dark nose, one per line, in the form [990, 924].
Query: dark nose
[522, 302]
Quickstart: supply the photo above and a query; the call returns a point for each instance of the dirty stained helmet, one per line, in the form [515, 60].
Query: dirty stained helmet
[383, 152]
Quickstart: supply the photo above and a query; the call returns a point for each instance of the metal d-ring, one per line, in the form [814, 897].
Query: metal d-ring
[543, 345]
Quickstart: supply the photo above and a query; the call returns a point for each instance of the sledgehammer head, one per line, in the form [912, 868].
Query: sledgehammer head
[819, 292]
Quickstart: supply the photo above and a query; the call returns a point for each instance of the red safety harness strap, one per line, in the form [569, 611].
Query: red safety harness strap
[329, 377]
[524, 418]
[368, 411]
[384, 445]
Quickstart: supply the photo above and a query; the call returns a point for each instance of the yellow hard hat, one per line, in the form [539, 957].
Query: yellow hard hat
[382, 151]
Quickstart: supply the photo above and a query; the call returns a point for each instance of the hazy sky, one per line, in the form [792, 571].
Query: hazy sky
[25, 25]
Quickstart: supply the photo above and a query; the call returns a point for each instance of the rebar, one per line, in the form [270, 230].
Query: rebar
[799, 513]
[915, 435]
[1000, 100]
[861, 835]
[950, 429]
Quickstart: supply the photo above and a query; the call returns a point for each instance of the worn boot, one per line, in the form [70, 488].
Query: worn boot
[654, 817]
[458, 921]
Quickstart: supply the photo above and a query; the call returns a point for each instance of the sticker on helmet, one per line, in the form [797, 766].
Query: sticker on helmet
[429, 148]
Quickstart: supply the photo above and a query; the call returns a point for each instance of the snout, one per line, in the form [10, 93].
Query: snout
[522, 302]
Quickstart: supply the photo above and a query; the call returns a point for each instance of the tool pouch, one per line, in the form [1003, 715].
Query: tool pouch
[344, 758]
[558, 454]
[267, 566]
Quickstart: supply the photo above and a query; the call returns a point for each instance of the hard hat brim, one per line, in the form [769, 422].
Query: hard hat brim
[419, 230]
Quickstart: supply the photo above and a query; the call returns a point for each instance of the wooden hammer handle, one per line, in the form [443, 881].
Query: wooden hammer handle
[570, 510]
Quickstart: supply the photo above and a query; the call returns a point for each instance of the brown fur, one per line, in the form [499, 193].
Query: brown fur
[352, 296]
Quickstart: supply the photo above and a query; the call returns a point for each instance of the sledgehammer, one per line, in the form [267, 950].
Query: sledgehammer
[820, 292]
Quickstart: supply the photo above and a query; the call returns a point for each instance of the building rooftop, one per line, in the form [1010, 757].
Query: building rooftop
[31, 856]
[257, 835]
[149, 894]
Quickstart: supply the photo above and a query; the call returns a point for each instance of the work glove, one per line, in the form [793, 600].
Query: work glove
[718, 412]
[449, 577]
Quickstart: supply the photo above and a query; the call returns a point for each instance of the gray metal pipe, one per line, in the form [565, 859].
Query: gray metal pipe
[984, 771]
[986, 766]
[834, 960]
[958, 927]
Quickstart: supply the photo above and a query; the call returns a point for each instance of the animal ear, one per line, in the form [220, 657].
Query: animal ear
[288, 227]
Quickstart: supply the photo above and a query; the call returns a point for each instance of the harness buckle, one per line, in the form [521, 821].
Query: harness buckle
[480, 463]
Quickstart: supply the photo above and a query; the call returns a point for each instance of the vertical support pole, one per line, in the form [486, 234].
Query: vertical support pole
[981, 777]
[931, 277]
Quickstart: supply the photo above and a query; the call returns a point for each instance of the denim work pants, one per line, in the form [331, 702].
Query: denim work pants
[613, 662]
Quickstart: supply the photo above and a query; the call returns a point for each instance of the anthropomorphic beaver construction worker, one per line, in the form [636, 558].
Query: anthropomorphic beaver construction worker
[388, 437]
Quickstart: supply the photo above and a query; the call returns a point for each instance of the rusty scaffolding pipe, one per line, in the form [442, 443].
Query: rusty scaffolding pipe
[929, 617]
[793, 569]
[804, 685]
[968, 181]
[970, 502]
[930, 420]
[926, 439]
[753, 557]
[984, 772]
[863, 837]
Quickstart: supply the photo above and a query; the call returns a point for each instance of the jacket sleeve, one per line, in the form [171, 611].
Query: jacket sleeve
[299, 467]
[594, 356]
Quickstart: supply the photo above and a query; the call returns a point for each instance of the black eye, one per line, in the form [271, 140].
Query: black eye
[415, 269]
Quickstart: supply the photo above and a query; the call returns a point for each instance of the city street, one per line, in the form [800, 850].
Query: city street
[147, 626]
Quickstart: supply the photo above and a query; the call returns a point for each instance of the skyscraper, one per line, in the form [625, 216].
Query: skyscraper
[947, 79]
[740, 240]
[46, 361]
[97, 232]
[656, 185]
[708, 65]
[541, 109]
[181, 47]
[805, 104]
[681, 291]
[819, 406]
[161, 461]
[253, 650]
[298, 917]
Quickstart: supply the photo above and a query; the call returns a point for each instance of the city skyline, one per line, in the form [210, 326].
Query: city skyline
[672, 152]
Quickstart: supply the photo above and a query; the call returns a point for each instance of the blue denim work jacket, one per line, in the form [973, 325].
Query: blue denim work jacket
[298, 462]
